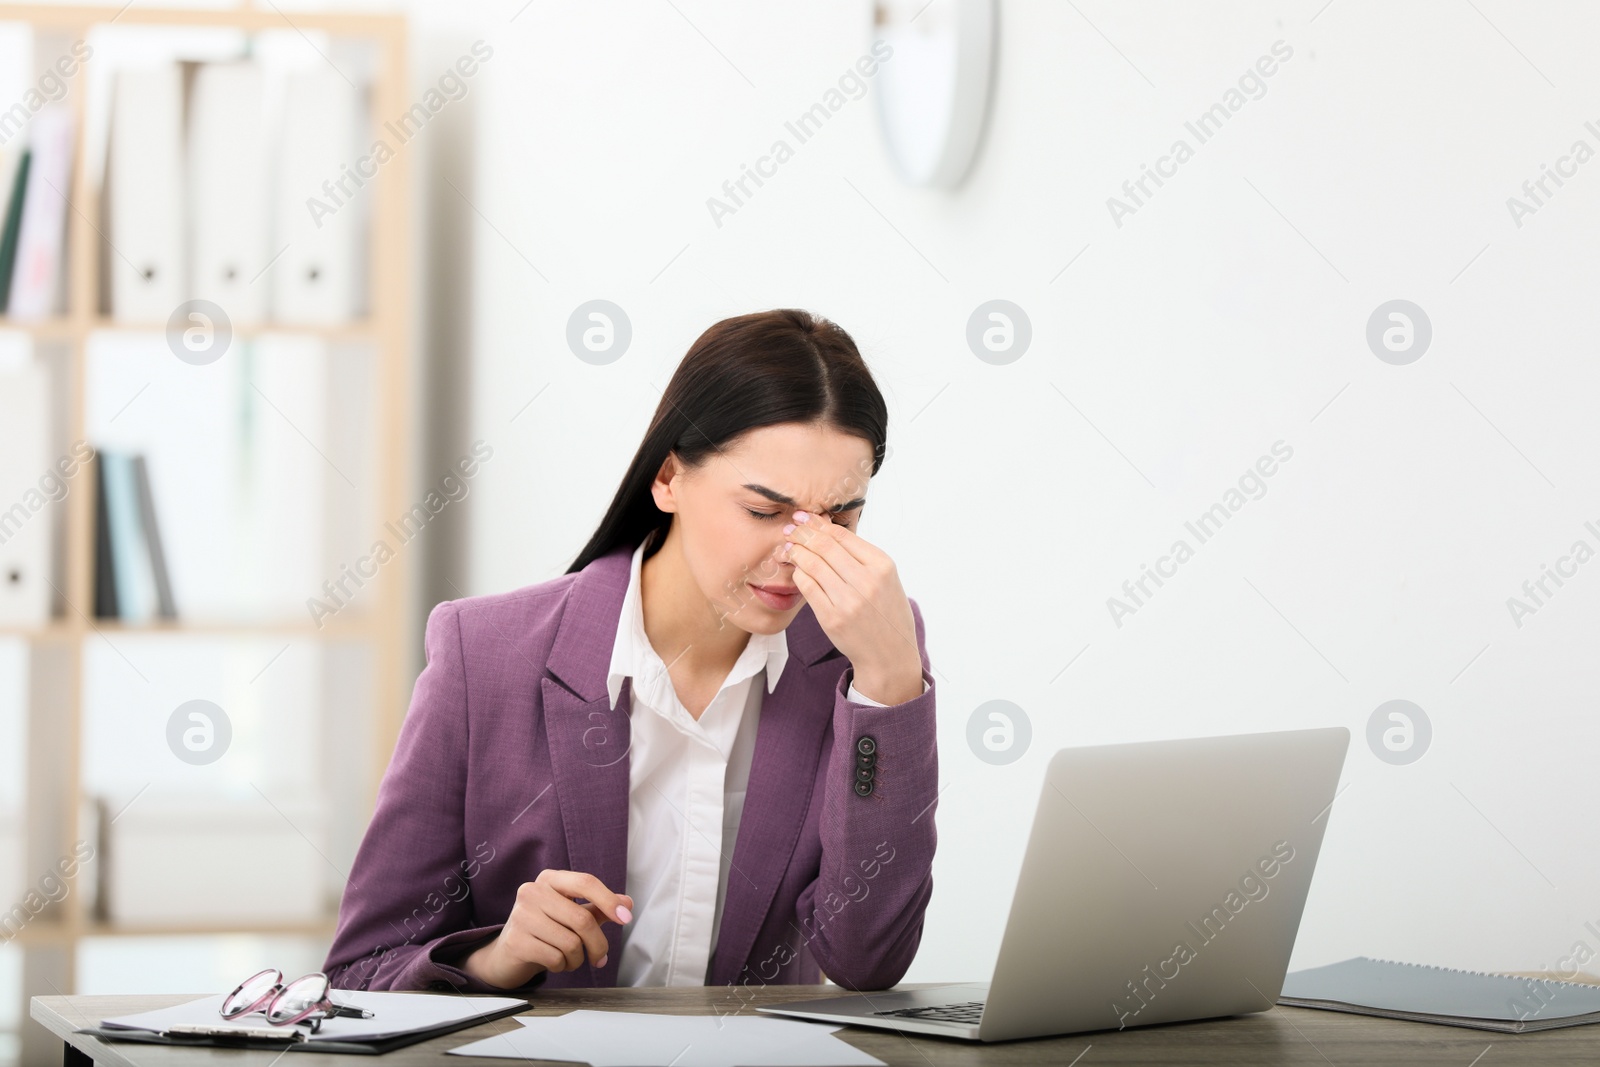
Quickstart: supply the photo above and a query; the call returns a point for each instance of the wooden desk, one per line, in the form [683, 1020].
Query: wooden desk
[1280, 1036]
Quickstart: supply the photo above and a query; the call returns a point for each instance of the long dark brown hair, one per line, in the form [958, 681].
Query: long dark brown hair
[743, 373]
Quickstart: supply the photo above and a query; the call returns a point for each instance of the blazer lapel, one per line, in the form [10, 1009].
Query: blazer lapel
[795, 719]
[588, 739]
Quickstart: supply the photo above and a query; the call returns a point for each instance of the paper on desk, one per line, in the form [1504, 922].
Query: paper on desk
[640, 1039]
[393, 1014]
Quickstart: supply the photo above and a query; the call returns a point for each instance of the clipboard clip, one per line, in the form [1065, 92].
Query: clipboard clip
[283, 1034]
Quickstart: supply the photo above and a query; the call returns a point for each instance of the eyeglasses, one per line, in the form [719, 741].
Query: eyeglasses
[305, 998]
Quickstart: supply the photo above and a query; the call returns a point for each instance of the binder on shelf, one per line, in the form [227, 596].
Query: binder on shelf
[227, 168]
[144, 194]
[26, 511]
[1422, 993]
[315, 280]
[35, 291]
[13, 178]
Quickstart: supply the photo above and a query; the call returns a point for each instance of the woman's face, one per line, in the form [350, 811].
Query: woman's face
[730, 513]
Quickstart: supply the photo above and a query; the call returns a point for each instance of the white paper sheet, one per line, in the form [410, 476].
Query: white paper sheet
[640, 1039]
[393, 1013]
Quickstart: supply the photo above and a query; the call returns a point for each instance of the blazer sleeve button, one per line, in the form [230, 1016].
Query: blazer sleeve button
[863, 788]
[865, 774]
[866, 745]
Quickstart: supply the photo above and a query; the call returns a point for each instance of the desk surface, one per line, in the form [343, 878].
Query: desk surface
[1280, 1036]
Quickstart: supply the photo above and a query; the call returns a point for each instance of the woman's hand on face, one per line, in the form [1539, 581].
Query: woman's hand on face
[548, 930]
[854, 589]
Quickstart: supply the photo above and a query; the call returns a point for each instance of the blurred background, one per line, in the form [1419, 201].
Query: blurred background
[1254, 341]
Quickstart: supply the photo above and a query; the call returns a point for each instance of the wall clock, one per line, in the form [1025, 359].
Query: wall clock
[933, 90]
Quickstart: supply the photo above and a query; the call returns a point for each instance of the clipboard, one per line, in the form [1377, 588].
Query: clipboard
[210, 1030]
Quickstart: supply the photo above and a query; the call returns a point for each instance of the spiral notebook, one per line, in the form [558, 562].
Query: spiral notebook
[1427, 994]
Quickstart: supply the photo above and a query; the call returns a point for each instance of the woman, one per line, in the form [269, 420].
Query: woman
[705, 754]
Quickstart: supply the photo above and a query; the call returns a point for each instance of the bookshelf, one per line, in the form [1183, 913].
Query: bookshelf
[55, 651]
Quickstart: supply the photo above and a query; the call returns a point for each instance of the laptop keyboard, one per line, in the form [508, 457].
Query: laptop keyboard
[969, 1012]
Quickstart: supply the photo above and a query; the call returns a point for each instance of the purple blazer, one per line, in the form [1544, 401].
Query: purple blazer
[510, 761]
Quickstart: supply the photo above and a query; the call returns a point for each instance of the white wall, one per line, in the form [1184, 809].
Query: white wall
[1227, 314]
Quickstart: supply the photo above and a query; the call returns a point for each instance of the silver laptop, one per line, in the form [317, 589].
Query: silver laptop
[1162, 881]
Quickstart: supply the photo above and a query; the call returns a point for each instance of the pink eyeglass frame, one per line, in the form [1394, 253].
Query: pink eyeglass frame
[268, 999]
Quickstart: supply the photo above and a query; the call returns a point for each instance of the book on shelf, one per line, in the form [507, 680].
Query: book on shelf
[13, 180]
[165, 608]
[132, 581]
[37, 273]
[105, 579]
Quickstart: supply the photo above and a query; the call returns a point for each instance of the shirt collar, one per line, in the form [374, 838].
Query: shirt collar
[632, 647]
